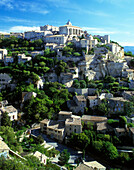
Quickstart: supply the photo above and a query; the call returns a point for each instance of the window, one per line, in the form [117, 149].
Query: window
[74, 130]
[13, 116]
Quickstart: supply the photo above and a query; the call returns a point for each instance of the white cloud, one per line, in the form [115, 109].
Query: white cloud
[23, 29]
[35, 7]
[32, 7]
[98, 30]
[126, 43]
[7, 3]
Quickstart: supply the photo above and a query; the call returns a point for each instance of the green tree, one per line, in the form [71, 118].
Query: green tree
[109, 79]
[98, 146]
[122, 121]
[64, 157]
[103, 108]
[39, 139]
[110, 150]
[5, 121]
[82, 84]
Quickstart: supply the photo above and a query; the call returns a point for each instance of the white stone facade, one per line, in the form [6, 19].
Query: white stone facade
[57, 39]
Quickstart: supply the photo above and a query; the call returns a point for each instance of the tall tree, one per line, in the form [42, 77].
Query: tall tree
[5, 121]
[64, 157]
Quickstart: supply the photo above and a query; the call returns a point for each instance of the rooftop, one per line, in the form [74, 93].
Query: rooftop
[50, 44]
[73, 121]
[3, 146]
[118, 99]
[80, 98]
[101, 126]
[91, 97]
[70, 26]
[57, 125]
[120, 130]
[9, 109]
[94, 164]
[94, 118]
[131, 129]
[130, 70]
[56, 36]
[65, 113]
[129, 92]
[45, 121]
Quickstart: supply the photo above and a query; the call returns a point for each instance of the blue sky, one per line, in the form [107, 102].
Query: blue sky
[113, 17]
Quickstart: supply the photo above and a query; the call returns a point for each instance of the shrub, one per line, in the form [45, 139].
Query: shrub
[82, 84]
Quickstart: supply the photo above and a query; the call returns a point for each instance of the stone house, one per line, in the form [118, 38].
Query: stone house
[130, 74]
[51, 76]
[91, 91]
[105, 96]
[12, 112]
[49, 28]
[34, 53]
[39, 84]
[73, 125]
[103, 127]
[66, 79]
[50, 46]
[120, 132]
[55, 129]
[3, 53]
[117, 104]
[92, 165]
[42, 157]
[34, 35]
[93, 119]
[63, 115]
[28, 95]
[8, 59]
[128, 95]
[78, 104]
[5, 79]
[4, 149]
[117, 50]
[66, 125]
[23, 58]
[92, 101]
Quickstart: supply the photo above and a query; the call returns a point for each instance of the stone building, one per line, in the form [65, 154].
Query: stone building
[64, 126]
[93, 119]
[42, 157]
[128, 95]
[55, 129]
[117, 104]
[5, 79]
[73, 125]
[22, 58]
[57, 39]
[12, 112]
[34, 35]
[70, 30]
[77, 105]
[63, 115]
[3, 53]
[8, 59]
[49, 28]
[4, 149]
[92, 101]
[104, 39]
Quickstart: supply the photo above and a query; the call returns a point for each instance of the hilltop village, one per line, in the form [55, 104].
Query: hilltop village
[64, 84]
